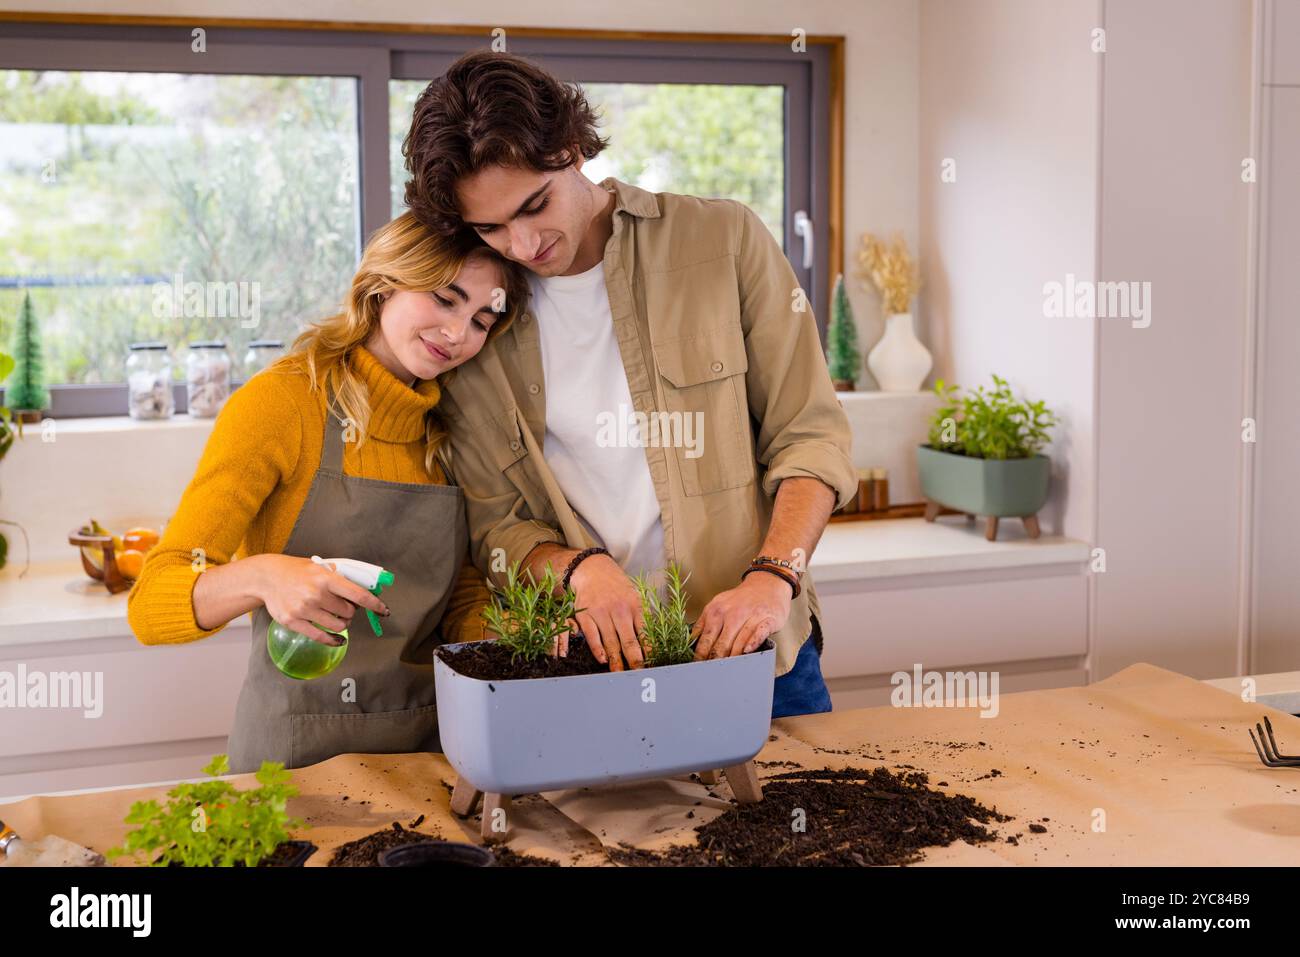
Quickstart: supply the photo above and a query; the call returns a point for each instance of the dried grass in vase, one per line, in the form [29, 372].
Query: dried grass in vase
[891, 269]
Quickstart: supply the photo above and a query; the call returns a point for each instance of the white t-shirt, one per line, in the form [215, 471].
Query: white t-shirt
[608, 484]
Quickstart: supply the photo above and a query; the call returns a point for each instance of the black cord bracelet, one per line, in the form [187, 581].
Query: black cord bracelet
[577, 559]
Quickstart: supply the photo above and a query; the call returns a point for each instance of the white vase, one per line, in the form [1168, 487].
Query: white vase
[899, 362]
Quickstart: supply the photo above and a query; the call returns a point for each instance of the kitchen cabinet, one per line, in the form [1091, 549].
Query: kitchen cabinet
[1275, 601]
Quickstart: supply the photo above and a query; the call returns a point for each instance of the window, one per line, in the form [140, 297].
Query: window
[152, 191]
[172, 207]
[701, 139]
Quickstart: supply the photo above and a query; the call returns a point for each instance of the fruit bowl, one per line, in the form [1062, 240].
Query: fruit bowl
[114, 560]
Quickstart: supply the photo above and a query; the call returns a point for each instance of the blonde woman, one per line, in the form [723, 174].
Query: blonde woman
[333, 451]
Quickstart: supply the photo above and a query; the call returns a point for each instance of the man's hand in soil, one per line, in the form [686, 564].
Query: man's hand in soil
[737, 621]
[611, 616]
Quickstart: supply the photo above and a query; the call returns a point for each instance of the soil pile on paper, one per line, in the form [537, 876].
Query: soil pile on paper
[365, 851]
[849, 817]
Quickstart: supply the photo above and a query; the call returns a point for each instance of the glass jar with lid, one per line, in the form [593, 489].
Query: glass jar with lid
[261, 353]
[207, 378]
[149, 381]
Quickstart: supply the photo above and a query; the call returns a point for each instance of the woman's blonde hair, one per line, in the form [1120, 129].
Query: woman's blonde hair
[401, 255]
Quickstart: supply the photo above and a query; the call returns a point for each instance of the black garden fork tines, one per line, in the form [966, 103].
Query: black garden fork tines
[1267, 749]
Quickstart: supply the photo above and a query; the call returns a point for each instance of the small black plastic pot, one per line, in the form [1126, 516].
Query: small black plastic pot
[436, 854]
[303, 849]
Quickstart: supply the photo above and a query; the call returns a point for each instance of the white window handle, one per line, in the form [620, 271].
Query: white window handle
[803, 228]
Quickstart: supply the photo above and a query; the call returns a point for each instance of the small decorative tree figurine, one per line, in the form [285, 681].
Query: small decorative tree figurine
[842, 340]
[25, 390]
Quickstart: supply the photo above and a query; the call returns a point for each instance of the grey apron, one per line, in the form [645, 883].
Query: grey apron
[379, 700]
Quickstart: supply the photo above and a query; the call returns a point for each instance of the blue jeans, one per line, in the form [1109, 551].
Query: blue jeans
[802, 689]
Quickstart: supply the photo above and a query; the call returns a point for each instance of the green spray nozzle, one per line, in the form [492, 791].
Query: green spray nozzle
[373, 578]
[385, 579]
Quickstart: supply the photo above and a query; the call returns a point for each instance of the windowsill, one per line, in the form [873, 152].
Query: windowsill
[93, 425]
[876, 395]
[57, 602]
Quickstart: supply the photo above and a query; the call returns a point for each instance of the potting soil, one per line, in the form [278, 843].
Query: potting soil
[850, 817]
[365, 851]
[490, 661]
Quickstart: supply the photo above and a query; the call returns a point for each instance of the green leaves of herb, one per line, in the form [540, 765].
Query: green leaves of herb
[990, 425]
[527, 615]
[666, 636]
[211, 823]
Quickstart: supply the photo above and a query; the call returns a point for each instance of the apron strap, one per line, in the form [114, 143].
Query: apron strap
[331, 455]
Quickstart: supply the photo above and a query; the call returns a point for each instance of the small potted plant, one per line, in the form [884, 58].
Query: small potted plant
[6, 414]
[842, 356]
[983, 456]
[8, 432]
[213, 824]
[514, 719]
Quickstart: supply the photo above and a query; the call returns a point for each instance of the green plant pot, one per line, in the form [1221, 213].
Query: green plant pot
[998, 487]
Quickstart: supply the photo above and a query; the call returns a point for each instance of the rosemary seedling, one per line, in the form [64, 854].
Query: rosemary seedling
[667, 634]
[527, 616]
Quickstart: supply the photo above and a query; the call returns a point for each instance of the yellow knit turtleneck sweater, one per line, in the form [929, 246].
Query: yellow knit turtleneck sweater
[253, 479]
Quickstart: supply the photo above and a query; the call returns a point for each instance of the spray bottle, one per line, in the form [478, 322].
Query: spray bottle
[298, 656]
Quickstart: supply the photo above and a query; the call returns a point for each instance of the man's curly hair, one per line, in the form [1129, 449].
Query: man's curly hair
[490, 109]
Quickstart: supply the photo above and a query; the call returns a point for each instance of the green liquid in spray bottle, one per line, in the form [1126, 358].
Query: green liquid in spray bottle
[300, 657]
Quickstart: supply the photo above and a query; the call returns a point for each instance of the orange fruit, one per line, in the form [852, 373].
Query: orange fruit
[141, 539]
[130, 563]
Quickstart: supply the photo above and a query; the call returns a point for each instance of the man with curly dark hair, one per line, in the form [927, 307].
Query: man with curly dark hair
[664, 398]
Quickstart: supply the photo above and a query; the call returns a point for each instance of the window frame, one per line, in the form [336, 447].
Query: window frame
[376, 53]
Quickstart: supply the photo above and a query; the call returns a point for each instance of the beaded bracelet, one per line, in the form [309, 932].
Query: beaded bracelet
[779, 562]
[584, 554]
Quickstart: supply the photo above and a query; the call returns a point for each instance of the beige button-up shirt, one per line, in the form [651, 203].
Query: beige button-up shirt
[722, 356]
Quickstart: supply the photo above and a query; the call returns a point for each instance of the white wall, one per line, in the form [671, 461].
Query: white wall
[1009, 92]
[1151, 449]
[1174, 213]
[119, 472]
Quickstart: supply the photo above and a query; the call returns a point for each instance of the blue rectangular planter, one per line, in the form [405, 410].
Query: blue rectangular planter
[542, 734]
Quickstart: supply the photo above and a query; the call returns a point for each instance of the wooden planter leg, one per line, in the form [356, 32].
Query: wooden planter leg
[743, 779]
[1031, 525]
[491, 803]
[931, 511]
[991, 527]
[709, 777]
[464, 798]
